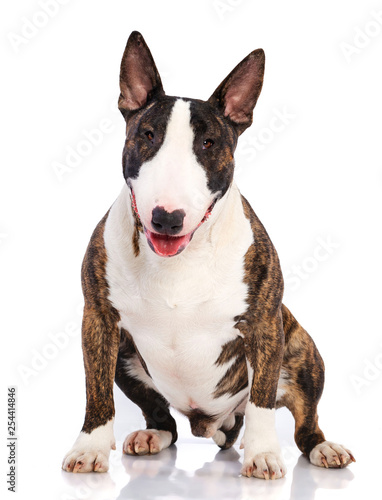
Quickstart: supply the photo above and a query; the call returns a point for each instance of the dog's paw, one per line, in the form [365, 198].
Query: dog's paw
[328, 454]
[79, 460]
[220, 438]
[264, 466]
[147, 442]
[91, 450]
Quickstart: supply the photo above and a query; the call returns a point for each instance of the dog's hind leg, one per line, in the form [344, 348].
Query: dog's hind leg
[301, 385]
[226, 436]
[133, 379]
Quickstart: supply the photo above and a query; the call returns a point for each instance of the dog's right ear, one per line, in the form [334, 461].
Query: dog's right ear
[139, 79]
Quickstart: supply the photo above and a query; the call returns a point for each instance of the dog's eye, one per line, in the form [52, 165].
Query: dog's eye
[150, 136]
[208, 143]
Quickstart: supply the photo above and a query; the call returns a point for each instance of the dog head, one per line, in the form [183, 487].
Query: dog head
[178, 155]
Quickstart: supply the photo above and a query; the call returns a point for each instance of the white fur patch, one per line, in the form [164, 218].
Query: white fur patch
[262, 452]
[173, 178]
[260, 432]
[91, 451]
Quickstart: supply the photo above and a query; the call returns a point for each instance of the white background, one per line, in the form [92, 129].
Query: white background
[315, 179]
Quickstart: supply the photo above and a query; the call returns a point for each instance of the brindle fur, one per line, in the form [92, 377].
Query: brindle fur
[100, 334]
[236, 377]
[137, 229]
[305, 369]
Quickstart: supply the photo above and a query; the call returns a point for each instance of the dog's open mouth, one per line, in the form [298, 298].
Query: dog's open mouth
[166, 245]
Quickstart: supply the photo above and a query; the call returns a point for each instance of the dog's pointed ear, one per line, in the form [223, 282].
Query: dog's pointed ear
[139, 79]
[237, 95]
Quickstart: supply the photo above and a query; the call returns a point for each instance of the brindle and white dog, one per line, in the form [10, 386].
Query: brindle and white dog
[183, 288]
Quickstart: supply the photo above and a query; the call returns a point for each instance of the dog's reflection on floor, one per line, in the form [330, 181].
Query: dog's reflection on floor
[308, 478]
[158, 477]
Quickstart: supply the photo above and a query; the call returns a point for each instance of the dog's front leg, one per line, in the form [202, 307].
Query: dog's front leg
[264, 343]
[100, 343]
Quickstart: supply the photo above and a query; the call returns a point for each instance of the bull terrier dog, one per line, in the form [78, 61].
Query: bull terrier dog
[183, 289]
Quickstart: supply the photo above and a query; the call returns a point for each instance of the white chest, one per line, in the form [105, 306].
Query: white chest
[180, 311]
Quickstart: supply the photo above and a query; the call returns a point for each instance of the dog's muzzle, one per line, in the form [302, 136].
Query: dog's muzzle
[163, 241]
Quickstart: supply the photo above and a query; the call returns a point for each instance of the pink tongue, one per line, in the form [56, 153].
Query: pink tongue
[167, 246]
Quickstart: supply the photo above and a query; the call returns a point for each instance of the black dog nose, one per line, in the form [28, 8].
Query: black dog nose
[170, 223]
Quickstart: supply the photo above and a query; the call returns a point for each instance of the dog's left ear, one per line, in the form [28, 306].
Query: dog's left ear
[237, 95]
[139, 79]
